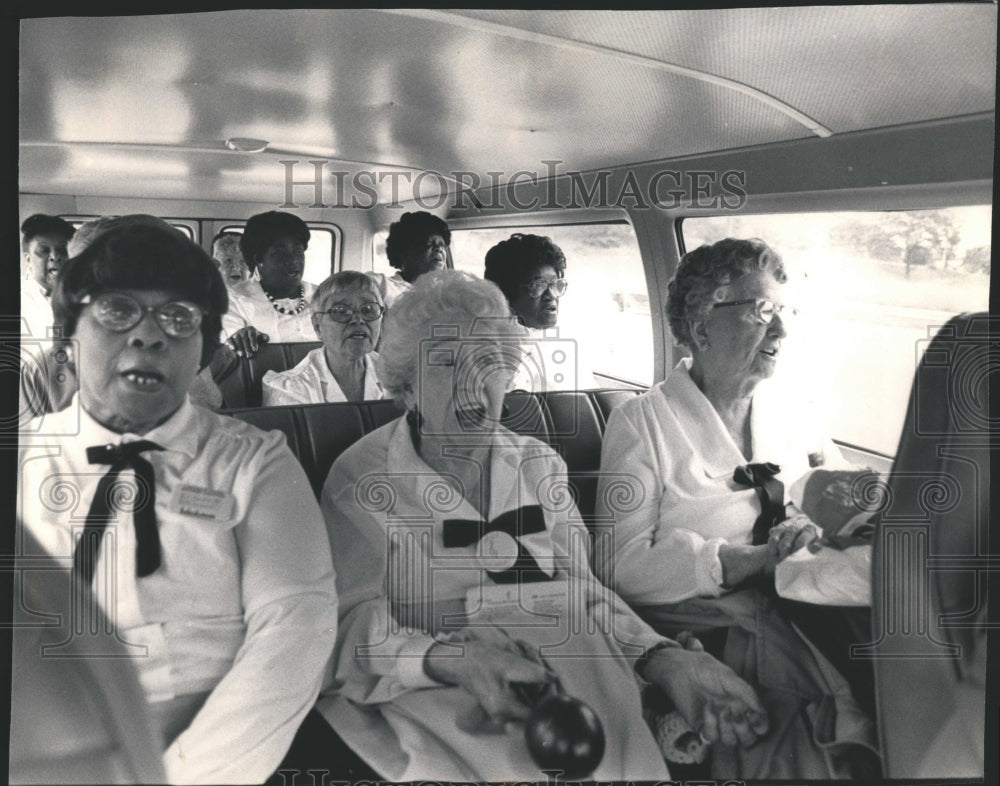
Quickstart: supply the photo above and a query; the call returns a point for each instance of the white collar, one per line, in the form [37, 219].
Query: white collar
[178, 432]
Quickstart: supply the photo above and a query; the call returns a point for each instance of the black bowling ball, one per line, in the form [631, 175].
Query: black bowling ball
[565, 734]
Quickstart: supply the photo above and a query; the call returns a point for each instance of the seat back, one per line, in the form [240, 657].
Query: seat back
[78, 713]
[571, 422]
[932, 560]
[241, 385]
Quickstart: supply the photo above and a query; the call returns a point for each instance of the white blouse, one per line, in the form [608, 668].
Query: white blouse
[232, 632]
[312, 382]
[667, 488]
[249, 305]
[400, 585]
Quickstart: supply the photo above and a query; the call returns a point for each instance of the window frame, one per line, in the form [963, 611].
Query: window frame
[515, 222]
[218, 225]
[904, 200]
[189, 226]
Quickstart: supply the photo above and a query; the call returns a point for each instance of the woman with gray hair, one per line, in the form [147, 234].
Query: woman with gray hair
[347, 315]
[704, 529]
[451, 535]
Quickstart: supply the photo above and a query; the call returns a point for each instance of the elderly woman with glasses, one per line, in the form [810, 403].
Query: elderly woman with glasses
[347, 315]
[170, 513]
[530, 270]
[463, 572]
[708, 458]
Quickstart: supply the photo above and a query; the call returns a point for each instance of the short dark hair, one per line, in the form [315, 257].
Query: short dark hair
[41, 224]
[143, 257]
[704, 274]
[264, 229]
[510, 262]
[411, 229]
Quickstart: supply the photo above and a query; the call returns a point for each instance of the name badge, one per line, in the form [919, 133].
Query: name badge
[203, 503]
[510, 603]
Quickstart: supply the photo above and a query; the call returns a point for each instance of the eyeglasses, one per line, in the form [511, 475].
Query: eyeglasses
[538, 287]
[369, 312]
[118, 313]
[764, 310]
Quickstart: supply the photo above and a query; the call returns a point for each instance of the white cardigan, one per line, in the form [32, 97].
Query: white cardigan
[666, 486]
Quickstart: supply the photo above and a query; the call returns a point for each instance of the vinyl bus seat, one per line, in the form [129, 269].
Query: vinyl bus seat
[933, 565]
[241, 381]
[571, 422]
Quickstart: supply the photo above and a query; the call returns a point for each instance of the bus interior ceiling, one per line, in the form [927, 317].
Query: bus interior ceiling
[162, 108]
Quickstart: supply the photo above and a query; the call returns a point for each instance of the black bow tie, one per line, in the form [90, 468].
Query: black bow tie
[107, 503]
[770, 492]
[521, 567]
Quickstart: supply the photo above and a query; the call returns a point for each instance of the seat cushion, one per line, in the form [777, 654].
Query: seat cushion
[241, 385]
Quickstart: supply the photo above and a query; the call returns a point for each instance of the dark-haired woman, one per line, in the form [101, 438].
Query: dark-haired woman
[43, 243]
[417, 244]
[273, 306]
[232, 618]
[531, 272]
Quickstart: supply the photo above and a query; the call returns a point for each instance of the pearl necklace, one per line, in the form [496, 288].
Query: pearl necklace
[298, 306]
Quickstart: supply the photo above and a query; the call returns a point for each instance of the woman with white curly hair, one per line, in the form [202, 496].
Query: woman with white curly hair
[714, 544]
[450, 536]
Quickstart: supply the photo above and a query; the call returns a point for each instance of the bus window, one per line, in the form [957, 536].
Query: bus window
[186, 227]
[380, 262]
[871, 289]
[605, 309]
[321, 255]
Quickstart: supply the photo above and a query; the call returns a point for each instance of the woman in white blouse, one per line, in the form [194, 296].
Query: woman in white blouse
[347, 315]
[191, 528]
[274, 304]
[450, 536]
[531, 271]
[695, 482]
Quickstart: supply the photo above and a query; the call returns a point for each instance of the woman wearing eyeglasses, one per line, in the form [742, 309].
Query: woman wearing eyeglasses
[530, 270]
[696, 475]
[167, 511]
[347, 314]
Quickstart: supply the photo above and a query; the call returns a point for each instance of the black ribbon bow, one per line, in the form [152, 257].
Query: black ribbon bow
[770, 492]
[525, 520]
[147, 551]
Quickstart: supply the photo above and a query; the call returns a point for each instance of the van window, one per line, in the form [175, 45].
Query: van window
[871, 289]
[606, 307]
[321, 254]
[605, 310]
[187, 229]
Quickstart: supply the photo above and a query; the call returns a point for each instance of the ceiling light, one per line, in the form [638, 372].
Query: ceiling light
[242, 144]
